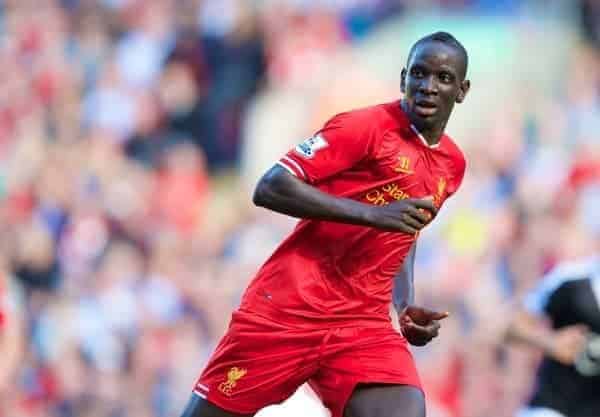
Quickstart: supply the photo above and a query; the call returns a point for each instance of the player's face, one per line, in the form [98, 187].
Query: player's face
[432, 83]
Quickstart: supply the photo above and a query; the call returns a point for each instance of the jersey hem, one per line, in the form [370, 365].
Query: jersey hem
[274, 314]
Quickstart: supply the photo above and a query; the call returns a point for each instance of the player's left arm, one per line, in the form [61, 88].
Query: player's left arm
[418, 325]
[403, 293]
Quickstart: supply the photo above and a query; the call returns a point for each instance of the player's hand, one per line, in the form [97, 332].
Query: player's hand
[419, 325]
[407, 216]
[567, 343]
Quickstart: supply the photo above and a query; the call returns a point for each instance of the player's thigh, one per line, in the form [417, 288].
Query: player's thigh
[199, 407]
[259, 362]
[376, 400]
[364, 365]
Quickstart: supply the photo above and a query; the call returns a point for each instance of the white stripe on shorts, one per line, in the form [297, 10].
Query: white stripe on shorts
[199, 394]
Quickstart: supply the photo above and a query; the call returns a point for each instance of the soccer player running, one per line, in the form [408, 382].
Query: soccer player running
[318, 309]
[568, 379]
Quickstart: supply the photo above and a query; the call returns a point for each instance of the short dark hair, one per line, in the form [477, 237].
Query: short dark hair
[446, 38]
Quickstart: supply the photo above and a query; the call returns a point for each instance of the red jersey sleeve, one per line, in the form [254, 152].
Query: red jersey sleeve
[344, 141]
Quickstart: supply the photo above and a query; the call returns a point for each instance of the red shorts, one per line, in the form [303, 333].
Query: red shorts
[260, 362]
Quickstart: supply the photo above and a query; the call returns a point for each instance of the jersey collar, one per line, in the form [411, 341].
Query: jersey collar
[423, 140]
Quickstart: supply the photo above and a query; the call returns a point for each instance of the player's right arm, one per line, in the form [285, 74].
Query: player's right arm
[346, 141]
[280, 191]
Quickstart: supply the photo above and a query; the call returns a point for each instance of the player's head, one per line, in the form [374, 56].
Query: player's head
[434, 79]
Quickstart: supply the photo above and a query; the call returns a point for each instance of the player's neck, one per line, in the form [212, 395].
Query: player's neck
[433, 136]
[430, 136]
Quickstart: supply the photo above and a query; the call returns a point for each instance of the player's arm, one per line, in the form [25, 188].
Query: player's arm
[530, 330]
[283, 192]
[418, 325]
[403, 293]
[549, 302]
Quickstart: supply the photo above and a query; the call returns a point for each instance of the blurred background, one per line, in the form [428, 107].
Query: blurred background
[133, 131]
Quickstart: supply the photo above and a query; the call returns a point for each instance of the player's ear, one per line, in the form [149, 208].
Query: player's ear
[462, 92]
[403, 81]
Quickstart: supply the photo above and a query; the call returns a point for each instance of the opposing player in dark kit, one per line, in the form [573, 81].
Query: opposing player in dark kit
[568, 378]
[318, 309]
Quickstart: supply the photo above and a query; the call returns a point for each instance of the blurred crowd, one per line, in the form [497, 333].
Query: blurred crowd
[128, 236]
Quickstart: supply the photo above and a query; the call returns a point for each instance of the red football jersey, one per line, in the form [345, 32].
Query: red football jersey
[335, 273]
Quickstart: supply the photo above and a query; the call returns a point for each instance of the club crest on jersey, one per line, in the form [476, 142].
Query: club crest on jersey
[310, 146]
[403, 165]
[233, 376]
[441, 187]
